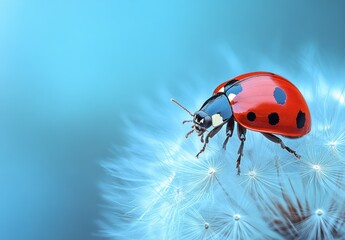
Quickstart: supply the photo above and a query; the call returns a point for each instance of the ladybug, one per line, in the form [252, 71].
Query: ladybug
[259, 101]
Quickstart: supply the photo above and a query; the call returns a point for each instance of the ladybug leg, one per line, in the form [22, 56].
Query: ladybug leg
[276, 139]
[186, 121]
[241, 132]
[189, 133]
[202, 138]
[213, 132]
[229, 131]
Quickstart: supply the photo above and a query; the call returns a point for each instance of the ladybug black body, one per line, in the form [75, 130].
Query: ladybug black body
[258, 101]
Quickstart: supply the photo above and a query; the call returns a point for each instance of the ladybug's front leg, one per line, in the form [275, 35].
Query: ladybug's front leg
[241, 132]
[213, 132]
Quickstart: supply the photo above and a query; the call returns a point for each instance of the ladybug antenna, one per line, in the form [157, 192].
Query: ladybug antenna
[173, 100]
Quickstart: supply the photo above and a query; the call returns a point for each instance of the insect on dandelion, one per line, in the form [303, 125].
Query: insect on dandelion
[159, 189]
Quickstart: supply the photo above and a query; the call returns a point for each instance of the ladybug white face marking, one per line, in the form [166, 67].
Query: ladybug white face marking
[231, 96]
[216, 120]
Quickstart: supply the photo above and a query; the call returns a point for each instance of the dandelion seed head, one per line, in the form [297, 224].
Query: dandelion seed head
[261, 174]
[323, 127]
[319, 212]
[332, 145]
[339, 96]
[252, 174]
[237, 217]
[316, 167]
[211, 171]
[178, 194]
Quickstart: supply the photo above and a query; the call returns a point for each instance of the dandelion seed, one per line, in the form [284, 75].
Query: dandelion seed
[339, 96]
[200, 178]
[332, 144]
[237, 217]
[320, 172]
[336, 147]
[319, 212]
[316, 167]
[211, 171]
[299, 215]
[329, 131]
[252, 174]
[322, 224]
[197, 226]
[261, 179]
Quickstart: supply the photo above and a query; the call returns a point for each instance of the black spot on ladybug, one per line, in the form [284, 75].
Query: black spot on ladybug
[273, 118]
[300, 119]
[279, 95]
[234, 89]
[251, 116]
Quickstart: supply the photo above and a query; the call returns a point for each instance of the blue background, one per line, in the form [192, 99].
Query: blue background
[70, 71]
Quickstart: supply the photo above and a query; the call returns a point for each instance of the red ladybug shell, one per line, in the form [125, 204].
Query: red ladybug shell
[266, 102]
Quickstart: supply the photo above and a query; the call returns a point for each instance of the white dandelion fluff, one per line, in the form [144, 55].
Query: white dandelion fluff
[198, 226]
[239, 219]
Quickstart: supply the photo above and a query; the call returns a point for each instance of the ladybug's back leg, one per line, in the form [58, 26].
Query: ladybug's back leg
[276, 139]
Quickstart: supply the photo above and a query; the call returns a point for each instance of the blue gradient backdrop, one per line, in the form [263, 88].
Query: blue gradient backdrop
[71, 70]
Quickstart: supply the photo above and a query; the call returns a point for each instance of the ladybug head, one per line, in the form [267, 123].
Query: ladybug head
[215, 112]
[201, 121]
